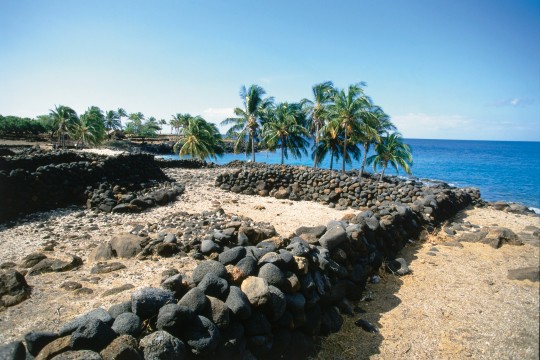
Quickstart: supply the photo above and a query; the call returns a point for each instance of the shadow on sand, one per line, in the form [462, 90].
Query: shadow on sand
[352, 342]
[41, 216]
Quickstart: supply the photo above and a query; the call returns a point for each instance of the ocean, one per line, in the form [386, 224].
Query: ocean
[502, 170]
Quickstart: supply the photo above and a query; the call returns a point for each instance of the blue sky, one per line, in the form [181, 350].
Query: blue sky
[441, 69]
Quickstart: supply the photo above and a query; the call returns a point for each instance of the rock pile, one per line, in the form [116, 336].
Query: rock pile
[132, 198]
[196, 235]
[514, 208]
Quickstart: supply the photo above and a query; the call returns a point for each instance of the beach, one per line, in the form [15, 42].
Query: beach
[456, 303]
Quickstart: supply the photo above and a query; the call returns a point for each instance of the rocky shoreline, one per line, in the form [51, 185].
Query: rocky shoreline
[235, 276]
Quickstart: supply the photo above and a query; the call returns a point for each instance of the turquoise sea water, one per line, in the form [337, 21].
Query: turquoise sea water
[502, 170]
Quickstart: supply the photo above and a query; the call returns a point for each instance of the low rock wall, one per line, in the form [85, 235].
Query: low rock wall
[434, 201]
[33, 160]
[184, 164]
[255, 294]
[44, 181]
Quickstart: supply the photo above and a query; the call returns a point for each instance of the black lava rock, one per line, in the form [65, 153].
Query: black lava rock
[13, 351]
[35, 341]
[194, 300]
[127, 324]
[214, 286]
[173, 317]
[277, 305]
[232, 256]
[99, 314]
[175, 284]
[238, 303]
[146, 302]
[118, 309]
[218, 312]
[162, 345]
[92, 335]
[206, 267]
[202, 335]
[272, 274]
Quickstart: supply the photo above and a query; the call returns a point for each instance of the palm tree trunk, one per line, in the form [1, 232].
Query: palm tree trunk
[282, 151]
[316, 158]
[382, 172]
[344, 152]
[366, 149]
[332, 160]
[252, 148]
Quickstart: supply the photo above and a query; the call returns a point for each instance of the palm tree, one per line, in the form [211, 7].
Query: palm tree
[285, 128]
[391, 150]
[201, 139]
[332, 142]
[317, 111]
[179, 121]
[121, 113]
[64, 118]
[246, 124]
[162, 122]
[83, 132]
[134, 126]
[375, 123]
[92, 121]
[112, 121]
[174, 122]
[150, 127]
[348, 108]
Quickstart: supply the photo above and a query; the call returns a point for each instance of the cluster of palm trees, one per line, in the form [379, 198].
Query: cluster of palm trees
[138, 125]
[94, 126]
[89, 128]
[341, 122]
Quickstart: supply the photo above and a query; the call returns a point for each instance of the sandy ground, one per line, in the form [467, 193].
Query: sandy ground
[457, 303]
[107, 152]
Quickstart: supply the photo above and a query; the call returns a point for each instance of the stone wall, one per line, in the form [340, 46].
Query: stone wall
[433, 201]
[184, 164]
[255, 295]
[44, 181]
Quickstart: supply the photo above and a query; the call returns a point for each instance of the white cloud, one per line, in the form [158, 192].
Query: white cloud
[419, 125]
[512, 102]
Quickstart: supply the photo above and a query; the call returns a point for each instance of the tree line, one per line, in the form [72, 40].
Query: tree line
[91, 128]
[343, 123]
